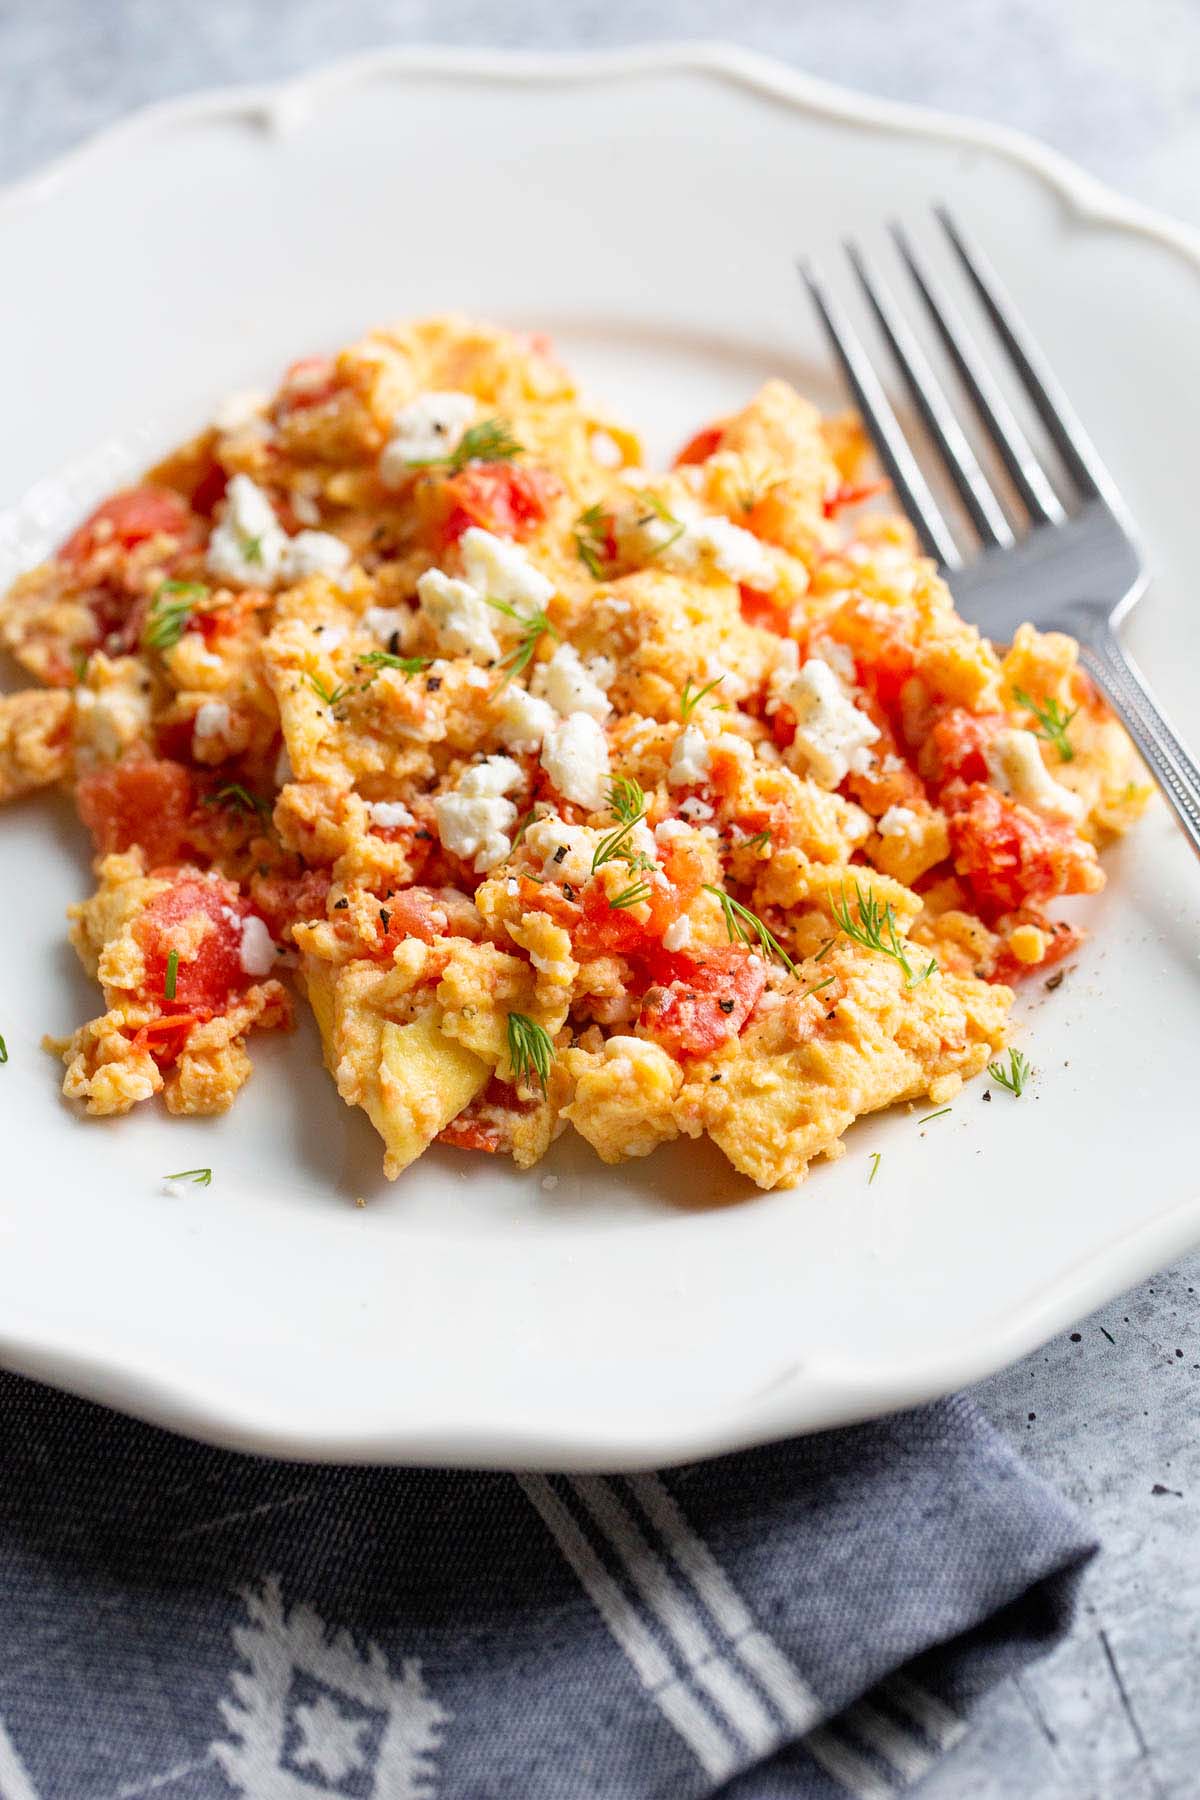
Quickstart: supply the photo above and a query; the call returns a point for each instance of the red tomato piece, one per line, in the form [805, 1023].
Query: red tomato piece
[960, 740]
[700, 1001]
[138, 801]
[1063, 941]
[204, 980]
[759, 609]
[1013, 856]
[470, 1134]
[127, 519]
[850, 493]
[503, 497]
[699, 448]
[287, 900]
[308, 381]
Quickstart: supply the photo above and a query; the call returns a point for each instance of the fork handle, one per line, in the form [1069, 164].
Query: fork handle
[1124, 686]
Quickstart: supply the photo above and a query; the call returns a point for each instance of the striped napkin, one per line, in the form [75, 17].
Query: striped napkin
[811, 1619]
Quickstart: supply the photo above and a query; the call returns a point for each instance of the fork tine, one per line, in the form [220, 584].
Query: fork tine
[943, 427]
[881, 421]
[1039, 497]
[1054, 409]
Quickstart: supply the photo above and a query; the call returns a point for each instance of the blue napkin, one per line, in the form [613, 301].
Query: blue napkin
[810, 1619]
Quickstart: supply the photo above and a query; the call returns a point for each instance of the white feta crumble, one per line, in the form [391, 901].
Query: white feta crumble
[690, 760]
[573, 686]
[678, 934]
[669, 829]
[523, 720]
[332, 637]
[898, 822]
[388, 622]
[423, 431]
[116, 717]
[388, 814]
[247, 546]
[575, 756]
[502, 571]
[305, 508]
[211, 721]
[256, 952]
[475, 678]
[832, 736]
[695, 810]
[731, 548]
[1015, 766]
[476, 820]
[566, 850]
[313, 553]
[461, 618]
[605, 450]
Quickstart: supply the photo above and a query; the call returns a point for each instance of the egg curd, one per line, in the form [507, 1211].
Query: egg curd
[567, 793]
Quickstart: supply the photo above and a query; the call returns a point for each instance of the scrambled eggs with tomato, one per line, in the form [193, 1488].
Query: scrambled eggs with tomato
[567, 793]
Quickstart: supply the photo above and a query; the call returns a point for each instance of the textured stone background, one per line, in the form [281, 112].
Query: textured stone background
[1108, 1411]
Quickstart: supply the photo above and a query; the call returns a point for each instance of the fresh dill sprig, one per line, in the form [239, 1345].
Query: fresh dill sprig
[530, 1049]
[939, 1114]
[660, 510]
[384, 659]
[251, 548]
[876, 1158]
[745, 927]
[615, 844]
[591, 540]
[235, 795]
[170, 612]
[3, 1051]
[1015, 1076]
[172, 975]
[691, 697]
[758, 842]
[1053, 721]
[79, 667]
[489, 441]
[626, 799]
[330, 698]
[536, 625]
[818, 985]
[202, 1177]
[875, 929]
[630, 896]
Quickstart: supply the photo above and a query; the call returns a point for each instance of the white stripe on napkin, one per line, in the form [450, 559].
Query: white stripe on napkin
[14, 1776]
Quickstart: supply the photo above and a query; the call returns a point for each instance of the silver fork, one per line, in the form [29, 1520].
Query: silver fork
[1074, 568]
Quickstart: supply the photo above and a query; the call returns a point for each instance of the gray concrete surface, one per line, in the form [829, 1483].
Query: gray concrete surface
[1107, 1412]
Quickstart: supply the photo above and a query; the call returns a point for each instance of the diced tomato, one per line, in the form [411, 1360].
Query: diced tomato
[287, 900]
[477, 1127]
[699, 448]
[127, 519]
[414, 912]
[206, 977]
[850, 493]
[1012, 856]
[308, 381]
[138, 801]
[888, 781]
[959, 743]
[209, 491]
[759, 609]
[1064, 939]
[507, 498]
[700, 1001]
[470, 1134]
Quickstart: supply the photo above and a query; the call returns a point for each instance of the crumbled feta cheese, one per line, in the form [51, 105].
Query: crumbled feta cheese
[332, 637]
[247, 546]
[476, 820]
[678, 934]
[113, 719]
[669, 829]
[502, 571]
[313, 553]
[1015, 766]
[305, 508]
[242, 408]
[523, 719]
[256, 952]
[566, 850]
[461, 618]
[898, 822]
[832, 736]
[388, 814]
[690, 760]
[575, 756]
[475, 678]
[422, 432]
[211, 721]
[388, 622]
[494, 775]
[605, 450]
[571, 686]
[732, 549]
[695, 809]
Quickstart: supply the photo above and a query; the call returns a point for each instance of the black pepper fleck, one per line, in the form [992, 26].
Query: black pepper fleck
[433, 683]
[1055, 981]
[726, 1006]
[1077, 1337]
[393, 644]
[987, 1093]
[385, 917]
[714, 1078]
[340, 905]
[560, 855]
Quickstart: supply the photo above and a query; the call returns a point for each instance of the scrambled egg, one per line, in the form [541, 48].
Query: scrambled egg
[569, 794]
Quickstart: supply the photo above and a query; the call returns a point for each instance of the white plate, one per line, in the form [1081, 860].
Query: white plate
[645, 209]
